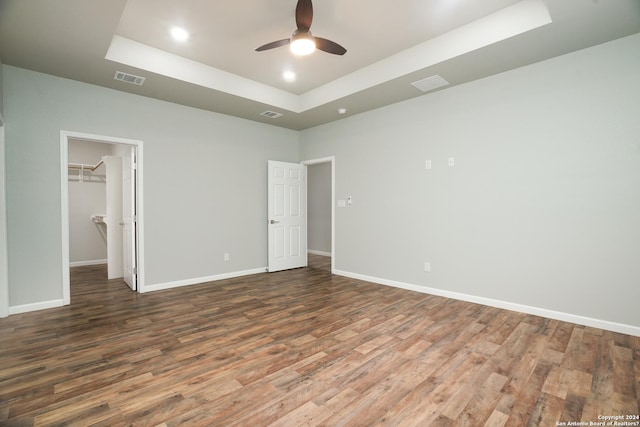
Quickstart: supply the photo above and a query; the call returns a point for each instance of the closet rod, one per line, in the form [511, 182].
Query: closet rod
[85, 167]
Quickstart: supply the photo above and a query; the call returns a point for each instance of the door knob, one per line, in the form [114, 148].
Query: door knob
[273, 221]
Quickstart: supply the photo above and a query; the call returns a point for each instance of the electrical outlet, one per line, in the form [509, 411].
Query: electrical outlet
[451, 161]
[226, 256]
[427, 266]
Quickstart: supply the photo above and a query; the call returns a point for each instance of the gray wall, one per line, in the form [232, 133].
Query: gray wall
[204, 180]
[1, 97]
[4, 284]
[319, 207]
[87, 240]
[542, 207]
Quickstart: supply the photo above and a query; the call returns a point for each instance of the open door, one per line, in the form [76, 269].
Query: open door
[129, 255]
[287, 215]
[113, 219]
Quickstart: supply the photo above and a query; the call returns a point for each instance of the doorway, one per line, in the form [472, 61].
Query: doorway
[321, 208]
[128, 224]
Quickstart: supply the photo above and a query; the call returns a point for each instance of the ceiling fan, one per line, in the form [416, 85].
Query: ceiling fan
[301, 41]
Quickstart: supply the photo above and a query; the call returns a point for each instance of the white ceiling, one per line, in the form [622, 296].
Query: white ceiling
[389, 46]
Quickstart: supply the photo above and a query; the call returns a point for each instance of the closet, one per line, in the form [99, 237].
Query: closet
[96, 206]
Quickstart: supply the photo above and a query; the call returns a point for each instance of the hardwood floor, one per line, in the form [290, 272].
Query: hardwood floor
[303, 347]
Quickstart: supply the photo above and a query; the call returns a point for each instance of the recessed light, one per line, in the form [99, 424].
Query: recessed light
[289, 76]
[342, 111]
[179, 34]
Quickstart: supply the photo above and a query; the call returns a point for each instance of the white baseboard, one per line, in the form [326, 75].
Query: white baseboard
[86, 263]
[537, 311]
[551, 314]
[17, 309]
[314, 252]
[199, 280]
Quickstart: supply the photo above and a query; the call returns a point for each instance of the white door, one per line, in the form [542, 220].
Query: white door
[129, 217]
[114, 216]
[287, 215]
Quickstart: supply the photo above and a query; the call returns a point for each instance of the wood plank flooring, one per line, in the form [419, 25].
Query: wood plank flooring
[303, 348]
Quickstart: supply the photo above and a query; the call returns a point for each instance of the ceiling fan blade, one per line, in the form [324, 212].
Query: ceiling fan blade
[304, 15]
[329, 46]
[273, 45]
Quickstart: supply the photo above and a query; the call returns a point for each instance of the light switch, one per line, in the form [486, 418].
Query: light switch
[349, 200]
[427, 164]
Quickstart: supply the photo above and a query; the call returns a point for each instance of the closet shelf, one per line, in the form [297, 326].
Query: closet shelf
[98, 219]
[82, 166]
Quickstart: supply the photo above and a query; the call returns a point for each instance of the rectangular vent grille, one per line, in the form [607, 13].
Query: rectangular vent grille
[430, 83]
[271, 114]
[129, 78]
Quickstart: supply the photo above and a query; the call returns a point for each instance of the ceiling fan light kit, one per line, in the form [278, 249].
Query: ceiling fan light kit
[301, 41]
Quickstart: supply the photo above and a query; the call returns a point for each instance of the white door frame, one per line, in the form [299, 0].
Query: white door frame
[332, 160]
[65, 136]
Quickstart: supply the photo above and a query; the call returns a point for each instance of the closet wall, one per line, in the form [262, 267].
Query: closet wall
[87, 239]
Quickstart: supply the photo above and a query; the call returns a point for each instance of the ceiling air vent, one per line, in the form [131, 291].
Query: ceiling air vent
[430, 83]
[129, 78]
[271, 114]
